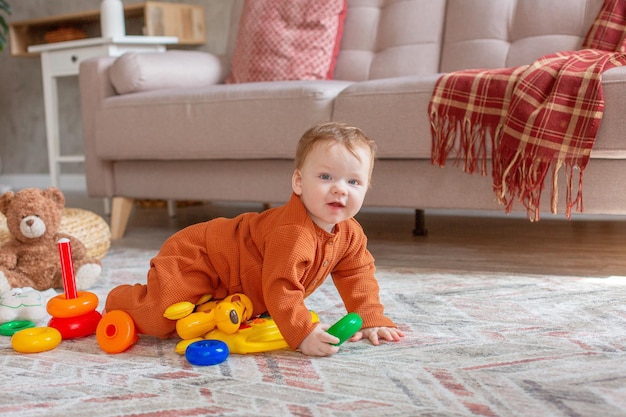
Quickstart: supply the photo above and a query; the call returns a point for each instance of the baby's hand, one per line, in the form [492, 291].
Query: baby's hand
[374, 334]
[319, 342]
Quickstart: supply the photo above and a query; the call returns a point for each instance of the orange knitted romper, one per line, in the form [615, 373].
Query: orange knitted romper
[277, 258]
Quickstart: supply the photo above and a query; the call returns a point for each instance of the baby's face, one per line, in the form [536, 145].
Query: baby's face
[332, 183]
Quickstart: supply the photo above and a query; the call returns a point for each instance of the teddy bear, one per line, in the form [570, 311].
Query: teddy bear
[31, 257]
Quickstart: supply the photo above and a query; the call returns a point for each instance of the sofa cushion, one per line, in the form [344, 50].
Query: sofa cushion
[225, 121]
[134, 72]
[390, 38]
[287, 40]
[393, 112]
[509, 33]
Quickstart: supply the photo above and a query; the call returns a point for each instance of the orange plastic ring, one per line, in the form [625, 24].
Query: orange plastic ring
[62, 307]
[36, 339]
[116, 332]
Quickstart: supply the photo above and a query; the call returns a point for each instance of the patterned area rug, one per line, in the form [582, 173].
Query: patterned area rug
[483, 345]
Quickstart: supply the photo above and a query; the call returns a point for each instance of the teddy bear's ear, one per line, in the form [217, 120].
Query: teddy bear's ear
[5, 200]
[55, 195]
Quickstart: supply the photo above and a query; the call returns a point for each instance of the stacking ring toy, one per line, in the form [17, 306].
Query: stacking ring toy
[79, 326]
[116, 332]
[60, 306]
[195, 324]
[36, 339]
[12, 327]
[207, 352]
[346, 327]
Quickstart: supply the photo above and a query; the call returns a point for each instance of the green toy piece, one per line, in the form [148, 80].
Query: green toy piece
[346, 327]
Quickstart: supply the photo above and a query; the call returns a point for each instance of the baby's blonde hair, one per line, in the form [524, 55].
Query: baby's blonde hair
[343, 134]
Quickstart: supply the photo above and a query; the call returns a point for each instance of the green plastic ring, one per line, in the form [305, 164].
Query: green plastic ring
[11, 327]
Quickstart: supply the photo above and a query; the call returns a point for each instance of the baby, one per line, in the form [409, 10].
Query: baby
[280, 256]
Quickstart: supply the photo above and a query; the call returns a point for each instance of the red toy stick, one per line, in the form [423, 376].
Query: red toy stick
[67, 268]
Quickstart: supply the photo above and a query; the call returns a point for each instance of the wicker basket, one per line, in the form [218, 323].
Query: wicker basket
[84, 225]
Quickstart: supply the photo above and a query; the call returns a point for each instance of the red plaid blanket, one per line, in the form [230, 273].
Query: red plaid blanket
[539, 118]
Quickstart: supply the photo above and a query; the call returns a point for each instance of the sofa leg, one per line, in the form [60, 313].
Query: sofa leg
[420, 223]
[120, 213]
[171, 208]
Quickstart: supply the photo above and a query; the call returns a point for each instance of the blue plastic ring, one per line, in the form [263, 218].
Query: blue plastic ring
[207, 352]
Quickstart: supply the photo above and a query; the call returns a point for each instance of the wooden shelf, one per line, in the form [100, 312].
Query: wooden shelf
[186, 22]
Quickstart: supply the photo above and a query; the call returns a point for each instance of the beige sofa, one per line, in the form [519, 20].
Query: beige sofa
[235, 142]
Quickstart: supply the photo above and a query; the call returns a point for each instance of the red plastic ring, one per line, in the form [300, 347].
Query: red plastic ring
[79, 326]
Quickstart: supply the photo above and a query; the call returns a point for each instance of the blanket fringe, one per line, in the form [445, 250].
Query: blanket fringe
[523, 177]
[461, 140]
[518, 175]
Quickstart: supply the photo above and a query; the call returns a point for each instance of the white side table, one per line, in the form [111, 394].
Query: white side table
[62, 59]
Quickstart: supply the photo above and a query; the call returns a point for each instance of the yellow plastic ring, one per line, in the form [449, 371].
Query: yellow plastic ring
[179, 310]
[62, 307]
[205, 298]
[36, 339]
[181, 347]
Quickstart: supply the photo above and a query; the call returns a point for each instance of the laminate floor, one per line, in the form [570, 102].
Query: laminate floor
[456, 241]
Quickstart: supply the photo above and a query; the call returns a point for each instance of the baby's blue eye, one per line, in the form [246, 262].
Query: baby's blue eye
[354, 182]
[325, 176]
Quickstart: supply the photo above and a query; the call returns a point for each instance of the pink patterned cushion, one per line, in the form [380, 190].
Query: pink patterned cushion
[287, 40]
